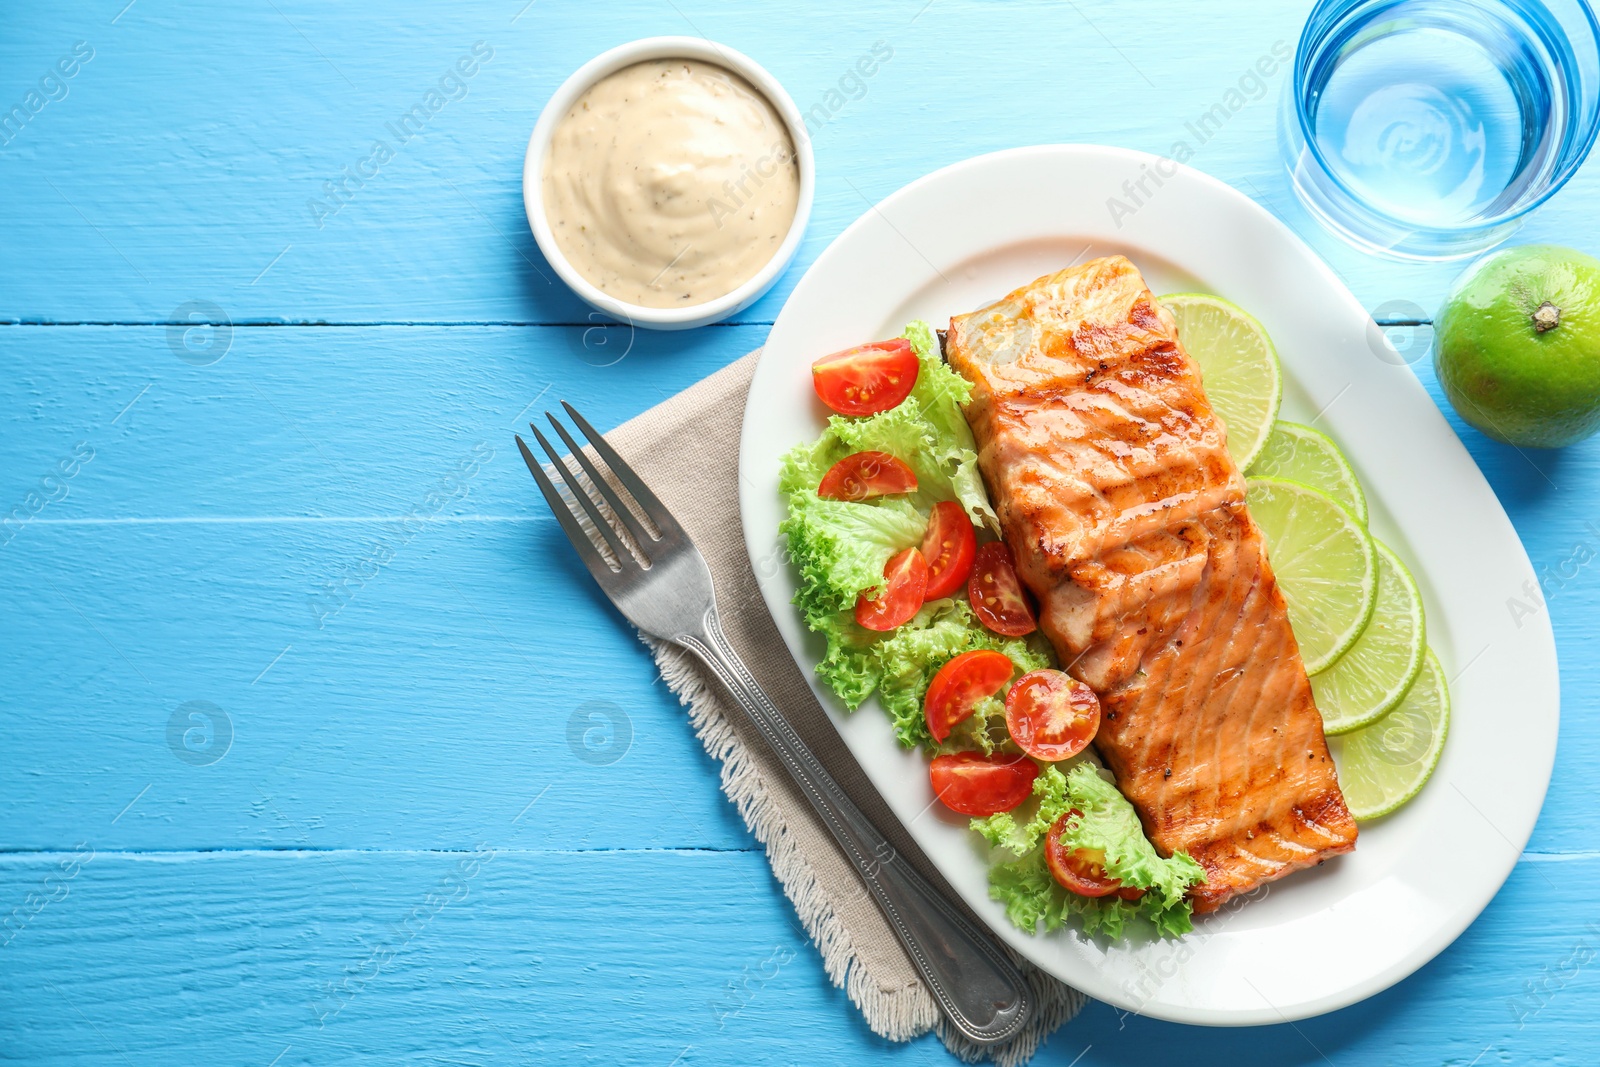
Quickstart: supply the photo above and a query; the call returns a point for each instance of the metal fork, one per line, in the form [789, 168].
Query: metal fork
[662, 585]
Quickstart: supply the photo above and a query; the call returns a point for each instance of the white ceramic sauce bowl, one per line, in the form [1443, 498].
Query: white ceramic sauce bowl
[584, 78]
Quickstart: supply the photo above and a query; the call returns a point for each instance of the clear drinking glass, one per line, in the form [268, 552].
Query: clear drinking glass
[1427, 129]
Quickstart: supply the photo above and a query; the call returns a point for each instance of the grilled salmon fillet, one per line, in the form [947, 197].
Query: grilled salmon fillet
[1112, 481]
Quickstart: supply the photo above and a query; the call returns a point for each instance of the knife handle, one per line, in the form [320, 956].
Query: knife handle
[980, 990]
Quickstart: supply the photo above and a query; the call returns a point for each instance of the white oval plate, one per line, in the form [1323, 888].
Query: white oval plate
[1318, 940]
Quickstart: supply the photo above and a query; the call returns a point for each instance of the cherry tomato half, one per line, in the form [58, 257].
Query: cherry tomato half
[863, 475]
[905, 580]
[996, 592]
[866, 379]
[960, 684]
[949, 547]
[1081, 870]
[1051, 715]
[975, 784]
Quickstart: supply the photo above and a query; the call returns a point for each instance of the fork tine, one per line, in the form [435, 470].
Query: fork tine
[569, 524]
[585, 501]
[621, 510]
[652, 506]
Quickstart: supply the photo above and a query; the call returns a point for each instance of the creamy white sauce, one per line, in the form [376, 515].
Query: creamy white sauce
[670, 183]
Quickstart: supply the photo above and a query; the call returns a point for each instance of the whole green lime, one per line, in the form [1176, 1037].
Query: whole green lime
[1517, 345]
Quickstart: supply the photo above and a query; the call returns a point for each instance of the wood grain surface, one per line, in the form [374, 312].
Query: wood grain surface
[317, 746]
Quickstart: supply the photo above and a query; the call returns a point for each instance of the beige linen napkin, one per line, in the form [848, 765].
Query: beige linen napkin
[682, 448]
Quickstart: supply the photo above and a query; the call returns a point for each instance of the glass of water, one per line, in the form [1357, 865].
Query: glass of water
[1427, 129]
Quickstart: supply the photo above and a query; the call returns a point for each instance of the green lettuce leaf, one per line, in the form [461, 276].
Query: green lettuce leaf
[850, 666]
[1029, 892]
[1107, 822]
[840, 548]
[1032, 897]
[938, 395]
[1020, 830]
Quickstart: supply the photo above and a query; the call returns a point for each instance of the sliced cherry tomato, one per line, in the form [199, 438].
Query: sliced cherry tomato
[866, 379]
[949, 547]
[905, 580]
[1051, 715]
[1082, 870]
[863, 475]
[975, 784]
[960, 684]
[996, 592]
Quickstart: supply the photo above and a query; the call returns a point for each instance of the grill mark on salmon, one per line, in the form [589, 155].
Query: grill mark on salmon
[1127, 518]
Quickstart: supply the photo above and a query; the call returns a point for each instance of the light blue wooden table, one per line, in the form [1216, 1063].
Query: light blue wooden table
[256, 454]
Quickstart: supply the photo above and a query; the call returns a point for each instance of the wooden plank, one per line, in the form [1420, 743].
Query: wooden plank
[180, 167]
[314, 422]
[632, 957]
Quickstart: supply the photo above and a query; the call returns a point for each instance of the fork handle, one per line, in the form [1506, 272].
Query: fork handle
[982, 993]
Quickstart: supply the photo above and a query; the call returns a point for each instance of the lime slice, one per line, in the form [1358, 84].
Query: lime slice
[1326, 565]
[1367, 682]
[1386, 764]
[1300, 454]
[1238, 365]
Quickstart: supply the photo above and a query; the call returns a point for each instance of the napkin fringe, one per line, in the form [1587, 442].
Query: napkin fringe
[895, 1014]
